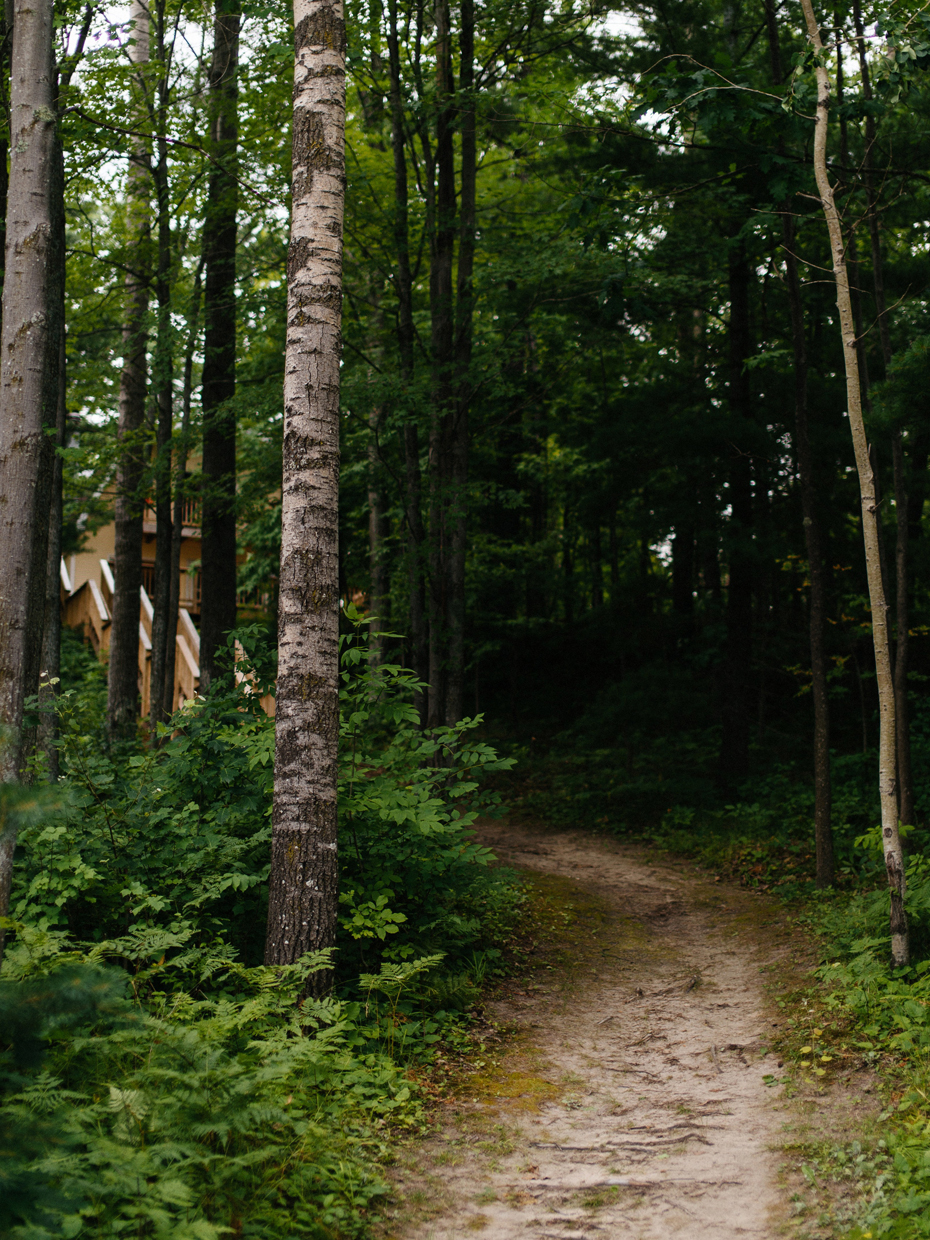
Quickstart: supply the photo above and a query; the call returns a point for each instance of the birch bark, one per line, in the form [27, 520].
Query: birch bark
[303, 886]
[28, 388]
[891, 839]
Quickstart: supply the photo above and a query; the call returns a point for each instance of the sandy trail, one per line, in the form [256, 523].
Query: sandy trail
[632, 1103]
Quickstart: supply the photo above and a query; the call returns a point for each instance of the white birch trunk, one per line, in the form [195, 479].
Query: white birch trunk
[891, 838]
[303, 888]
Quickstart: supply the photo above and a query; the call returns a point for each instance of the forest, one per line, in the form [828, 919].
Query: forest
[548, 385]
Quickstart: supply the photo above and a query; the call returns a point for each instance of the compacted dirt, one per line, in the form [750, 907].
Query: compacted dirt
[630, 1098]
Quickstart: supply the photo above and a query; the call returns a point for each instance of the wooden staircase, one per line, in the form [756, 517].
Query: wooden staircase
[88, 609]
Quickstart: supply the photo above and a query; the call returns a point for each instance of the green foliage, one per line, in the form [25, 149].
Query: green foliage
[410, 868]
[241, 1106]
[155, 1079]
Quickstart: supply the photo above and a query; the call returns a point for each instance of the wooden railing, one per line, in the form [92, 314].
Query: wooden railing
[190, 586]
[190, 513]
[89, 608]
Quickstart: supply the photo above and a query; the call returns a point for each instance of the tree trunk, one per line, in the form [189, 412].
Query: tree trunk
[823, 831]
[403, 283]
[163, 382]
[902, 645]
[123, 681]
[458, 446]
[28, 389]
[734, 744]
[218, 549]
[303, 886]
[181, 493]
[597, 565]
[901, 501]
[50, 662]
[894, 861]
[442, 337]
[683, 575]
[379, 600]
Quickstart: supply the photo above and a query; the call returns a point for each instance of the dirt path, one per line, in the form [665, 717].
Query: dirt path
[631, 1102]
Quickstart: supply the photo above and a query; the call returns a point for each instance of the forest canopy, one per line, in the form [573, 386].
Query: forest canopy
[546, 389]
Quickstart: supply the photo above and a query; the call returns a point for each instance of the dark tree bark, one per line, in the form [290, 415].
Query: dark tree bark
[380, 596]
[458, 445]
[442, 339]
[218, 558]
[823, 831]
[813, 536]
[28, 388]
[303, 887]
[901, 499]
[597, 565]
[614, 552]
[737, 672]
[403, 284]
[123, 680]
[683, 574]
[181, 491]
[50, 662]
[163, 383]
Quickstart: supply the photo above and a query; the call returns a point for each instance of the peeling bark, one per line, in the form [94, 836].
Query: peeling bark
[303, 887]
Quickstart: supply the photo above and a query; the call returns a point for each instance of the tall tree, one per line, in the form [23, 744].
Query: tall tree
[442, 203]
[901, 502]
[813, 529]
[403, 288]
[123, 680]
[29, 346]
[181, 492]
[734, 744]
[303, 886]
[162, 370]
[51, 628]
[813, 540]
[871, 531]
[218, 517]
[458, 432]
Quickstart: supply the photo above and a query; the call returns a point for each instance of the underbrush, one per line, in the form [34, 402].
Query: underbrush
[155, 1078]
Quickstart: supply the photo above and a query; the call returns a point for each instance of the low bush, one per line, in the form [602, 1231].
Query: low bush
[155, 1078]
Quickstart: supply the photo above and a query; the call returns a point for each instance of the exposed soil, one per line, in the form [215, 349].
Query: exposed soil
[631, 1099]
